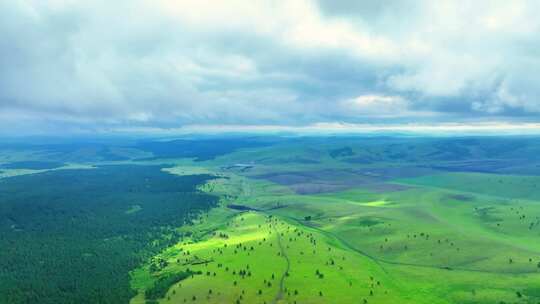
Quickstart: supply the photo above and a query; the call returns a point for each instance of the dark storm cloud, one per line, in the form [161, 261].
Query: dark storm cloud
[101, 64]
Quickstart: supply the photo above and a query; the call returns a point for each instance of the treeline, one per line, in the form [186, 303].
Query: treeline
[162, 285]
[66, 235]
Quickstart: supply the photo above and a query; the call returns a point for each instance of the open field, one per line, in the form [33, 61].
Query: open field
[309, 220]
[421, 244]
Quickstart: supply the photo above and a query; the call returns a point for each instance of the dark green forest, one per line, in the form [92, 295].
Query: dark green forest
[72, 236]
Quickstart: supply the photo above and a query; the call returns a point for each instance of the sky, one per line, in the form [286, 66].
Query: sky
[115, 66]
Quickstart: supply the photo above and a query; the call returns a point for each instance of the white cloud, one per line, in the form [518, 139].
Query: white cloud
[381, 106]
[441, 129]
[373, 104]
[171, 62]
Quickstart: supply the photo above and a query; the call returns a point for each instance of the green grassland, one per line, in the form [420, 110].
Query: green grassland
[258, 258]
[439, 241]
[338, 220]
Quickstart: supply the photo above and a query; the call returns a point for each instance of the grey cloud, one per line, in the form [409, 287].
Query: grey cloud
[124, 63]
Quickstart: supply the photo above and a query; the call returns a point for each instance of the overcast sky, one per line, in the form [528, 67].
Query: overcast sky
[119, 65]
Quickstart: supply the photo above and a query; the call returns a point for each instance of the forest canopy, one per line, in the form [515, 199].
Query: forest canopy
[99, 222]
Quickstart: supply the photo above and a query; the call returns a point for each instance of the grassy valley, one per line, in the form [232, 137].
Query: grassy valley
[309, 220]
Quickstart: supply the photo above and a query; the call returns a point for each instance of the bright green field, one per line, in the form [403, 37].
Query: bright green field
[449, 238]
